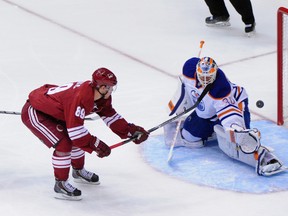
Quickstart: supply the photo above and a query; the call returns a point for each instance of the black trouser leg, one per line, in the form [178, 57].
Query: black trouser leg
[244, 8]
[217, 8]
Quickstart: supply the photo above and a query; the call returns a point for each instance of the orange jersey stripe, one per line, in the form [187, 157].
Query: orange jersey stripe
[228, 111]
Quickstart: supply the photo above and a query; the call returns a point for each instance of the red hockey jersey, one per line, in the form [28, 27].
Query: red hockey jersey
[71, 103]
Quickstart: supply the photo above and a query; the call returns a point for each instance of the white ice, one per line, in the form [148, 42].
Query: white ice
[145, 43]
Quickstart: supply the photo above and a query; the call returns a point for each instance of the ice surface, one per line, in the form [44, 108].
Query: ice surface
[145, 43]
[209, 166]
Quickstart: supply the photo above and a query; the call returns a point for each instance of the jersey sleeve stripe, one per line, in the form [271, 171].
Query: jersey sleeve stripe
[77, 153]
[77, 132]
[110, 120]
[228, 111]
[228, 116]
[238, 93]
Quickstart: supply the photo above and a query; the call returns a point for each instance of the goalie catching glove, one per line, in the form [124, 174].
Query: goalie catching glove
[137, 132]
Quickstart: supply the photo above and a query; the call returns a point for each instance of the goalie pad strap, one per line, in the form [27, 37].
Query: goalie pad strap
[232, 136]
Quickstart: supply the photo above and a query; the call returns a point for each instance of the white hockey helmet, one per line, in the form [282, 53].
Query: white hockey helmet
[206, 70]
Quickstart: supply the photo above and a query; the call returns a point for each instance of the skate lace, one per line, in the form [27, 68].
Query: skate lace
[68, 187]
[86, 174]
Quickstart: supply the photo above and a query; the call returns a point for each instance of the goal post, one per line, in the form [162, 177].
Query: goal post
[282, 66]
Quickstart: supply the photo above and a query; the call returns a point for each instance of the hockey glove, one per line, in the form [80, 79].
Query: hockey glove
[138, 132]
[101, 148]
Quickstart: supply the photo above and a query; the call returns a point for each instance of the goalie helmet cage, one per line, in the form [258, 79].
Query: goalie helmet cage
[282, 66]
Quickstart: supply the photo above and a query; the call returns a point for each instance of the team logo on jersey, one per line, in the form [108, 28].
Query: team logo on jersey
[195, 96]
[96, 108]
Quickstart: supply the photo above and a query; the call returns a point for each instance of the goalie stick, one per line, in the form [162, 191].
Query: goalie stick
[91, 118]
[205, 91]
[170, 155]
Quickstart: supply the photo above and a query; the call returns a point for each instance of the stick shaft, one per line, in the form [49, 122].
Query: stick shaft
[9, 112]
[205, 91]
[201, 46]
[19, 113]
[170, 155]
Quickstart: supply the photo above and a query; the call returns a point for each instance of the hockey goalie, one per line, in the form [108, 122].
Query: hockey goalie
[222, 114]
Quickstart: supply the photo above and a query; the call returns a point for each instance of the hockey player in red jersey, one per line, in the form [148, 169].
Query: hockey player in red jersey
[56, 114]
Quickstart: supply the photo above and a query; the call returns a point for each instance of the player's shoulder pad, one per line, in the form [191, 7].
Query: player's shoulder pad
[221, 86]
[189, 67]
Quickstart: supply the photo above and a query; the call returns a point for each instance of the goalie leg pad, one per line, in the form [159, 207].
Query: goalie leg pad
[194, 144]
[264, 161]
[267, 163]
[232, 149]
[190, 141]
[248, 140]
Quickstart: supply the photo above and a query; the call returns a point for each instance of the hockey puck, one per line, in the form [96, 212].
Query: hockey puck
[259, 103]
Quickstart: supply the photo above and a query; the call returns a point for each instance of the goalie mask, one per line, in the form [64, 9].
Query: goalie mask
[103, 76]
[206, 70]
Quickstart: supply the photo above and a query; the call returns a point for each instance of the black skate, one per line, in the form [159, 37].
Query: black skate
[250, 29]
[217, 21]
[64, 190]
[84, 176]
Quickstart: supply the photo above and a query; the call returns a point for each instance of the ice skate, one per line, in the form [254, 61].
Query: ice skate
[219, 21]
[64, 190]
[250, 29]
[86, 177]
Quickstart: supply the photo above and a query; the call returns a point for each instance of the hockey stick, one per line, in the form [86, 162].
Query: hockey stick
[205, 91]
[9, 112]
[92, 118]
[170, 155]
[201, 46]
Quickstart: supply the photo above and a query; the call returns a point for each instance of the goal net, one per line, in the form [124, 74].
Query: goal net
[282, 66]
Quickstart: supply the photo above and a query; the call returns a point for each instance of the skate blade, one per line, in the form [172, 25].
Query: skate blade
[82, 181]
[62, 196]
[250, 34]
[219, 24]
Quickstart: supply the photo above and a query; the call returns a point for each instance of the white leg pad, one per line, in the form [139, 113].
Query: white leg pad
[232, 149]
[259, 159]
[194, 144]
[169, 133]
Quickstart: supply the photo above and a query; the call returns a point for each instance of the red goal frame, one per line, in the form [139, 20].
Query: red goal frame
[280, 12]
